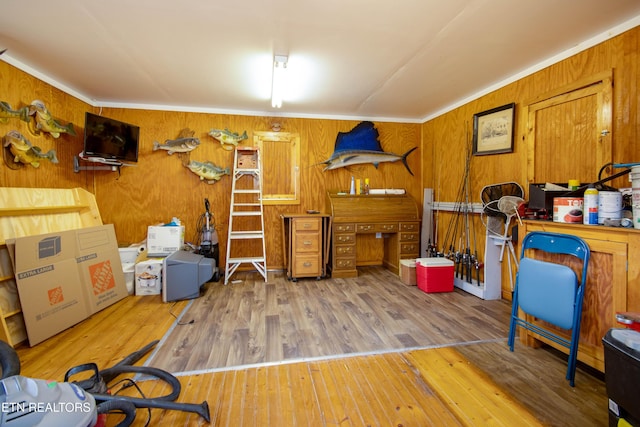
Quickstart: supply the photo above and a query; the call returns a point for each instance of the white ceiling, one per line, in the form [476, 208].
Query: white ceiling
[400, 60]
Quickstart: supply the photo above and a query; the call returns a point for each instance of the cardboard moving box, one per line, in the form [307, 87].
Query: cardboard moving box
[408, 272]
[163, 240]
[148, 276]
[64, 277]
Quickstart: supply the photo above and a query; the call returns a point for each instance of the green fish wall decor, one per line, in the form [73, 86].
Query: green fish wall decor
[6, 113]
[24, 152]
[207, 171]
[229, 140]
[43, 121]
[185, 143]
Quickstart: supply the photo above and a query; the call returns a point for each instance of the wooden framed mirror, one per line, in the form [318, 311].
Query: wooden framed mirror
[280, 153]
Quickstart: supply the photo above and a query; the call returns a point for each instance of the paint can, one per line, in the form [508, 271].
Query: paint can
[574, 184]
[635, 195]
[609, 206]
[590, 211]
[568, 209]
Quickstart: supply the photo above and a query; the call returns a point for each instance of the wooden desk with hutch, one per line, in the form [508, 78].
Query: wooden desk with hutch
[395, 217]
[613, 283]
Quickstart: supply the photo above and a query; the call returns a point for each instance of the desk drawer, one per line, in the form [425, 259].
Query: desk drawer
[344, 228]
[345, 250]
[409, 248]
[306, 242]
[409, 237]
[307, 265]
[344, 264]
[344, 238]
[377, 228]
[410, 226]
[306, 224]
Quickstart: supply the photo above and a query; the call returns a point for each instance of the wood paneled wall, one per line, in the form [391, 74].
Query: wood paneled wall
[446, 137]
[160, 187]
[20, 89]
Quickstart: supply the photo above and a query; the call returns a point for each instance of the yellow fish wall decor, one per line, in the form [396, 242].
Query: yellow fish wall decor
[25, 153]
[229, 140]
[44, 121]
[6, 113]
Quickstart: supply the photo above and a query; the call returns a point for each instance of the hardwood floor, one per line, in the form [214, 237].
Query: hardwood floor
[362, 351]
[253, 322]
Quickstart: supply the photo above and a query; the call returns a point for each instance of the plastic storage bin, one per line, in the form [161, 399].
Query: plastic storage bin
[622, 375]
[434, 274]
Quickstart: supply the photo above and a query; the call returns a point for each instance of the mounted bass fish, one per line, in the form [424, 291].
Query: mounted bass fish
[208, 171]
[6, 113]
[44, 122]
[180, 145]
[229, 140]
[185, 143]
[361, 145]
[24, 152]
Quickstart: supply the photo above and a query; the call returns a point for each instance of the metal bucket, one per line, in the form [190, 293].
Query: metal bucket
[609, 206]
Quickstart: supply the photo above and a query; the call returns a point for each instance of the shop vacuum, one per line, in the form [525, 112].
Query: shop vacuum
[208, 239]
[29, 402]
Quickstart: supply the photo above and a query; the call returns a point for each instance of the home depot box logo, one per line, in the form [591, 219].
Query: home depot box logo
[102, 278]
[49, 247]
[55, 295]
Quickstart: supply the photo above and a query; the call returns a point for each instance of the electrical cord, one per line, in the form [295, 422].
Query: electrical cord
[131, 383]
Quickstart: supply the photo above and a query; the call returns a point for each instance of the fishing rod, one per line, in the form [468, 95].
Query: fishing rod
[474, 263]
[465, 255]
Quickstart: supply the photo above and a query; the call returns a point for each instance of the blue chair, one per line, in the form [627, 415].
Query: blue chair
[551, 291]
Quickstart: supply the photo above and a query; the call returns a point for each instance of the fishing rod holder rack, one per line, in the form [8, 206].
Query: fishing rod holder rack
[490, 288]
[475, 208]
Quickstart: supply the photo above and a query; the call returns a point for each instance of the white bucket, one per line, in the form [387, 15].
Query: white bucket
[635, 195]
[609, 206]
[635, 185]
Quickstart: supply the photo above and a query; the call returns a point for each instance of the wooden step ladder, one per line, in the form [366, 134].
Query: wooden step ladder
[246, 221]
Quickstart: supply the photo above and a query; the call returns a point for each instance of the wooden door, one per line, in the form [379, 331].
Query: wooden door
[569, 132]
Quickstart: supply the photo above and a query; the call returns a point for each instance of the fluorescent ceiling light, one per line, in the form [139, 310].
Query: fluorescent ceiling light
[278, 83]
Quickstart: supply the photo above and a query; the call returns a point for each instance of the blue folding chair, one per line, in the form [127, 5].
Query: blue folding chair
[551, 291]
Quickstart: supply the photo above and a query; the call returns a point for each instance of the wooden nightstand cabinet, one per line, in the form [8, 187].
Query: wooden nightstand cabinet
[305, 243]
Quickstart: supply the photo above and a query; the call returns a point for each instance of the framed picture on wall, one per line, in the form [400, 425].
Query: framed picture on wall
[493, 130]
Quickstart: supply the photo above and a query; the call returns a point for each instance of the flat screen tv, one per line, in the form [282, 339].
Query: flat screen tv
[110, 139]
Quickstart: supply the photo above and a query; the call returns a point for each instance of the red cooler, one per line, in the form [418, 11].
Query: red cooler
[434, 274]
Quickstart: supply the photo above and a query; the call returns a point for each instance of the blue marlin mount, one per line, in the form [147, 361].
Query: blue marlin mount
[361, 145]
